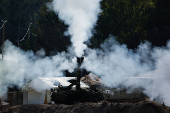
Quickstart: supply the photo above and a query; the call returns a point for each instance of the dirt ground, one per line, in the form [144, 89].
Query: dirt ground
[100, 107]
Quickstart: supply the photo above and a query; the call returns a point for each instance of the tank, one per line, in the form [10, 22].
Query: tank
[121, 93]
[118, 94]
[74, 93]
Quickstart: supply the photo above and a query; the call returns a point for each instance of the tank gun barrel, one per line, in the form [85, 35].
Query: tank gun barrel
[79, 61]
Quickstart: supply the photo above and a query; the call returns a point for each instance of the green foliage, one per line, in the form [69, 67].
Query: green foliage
[4, 9]
[130, 21]
[18, 13]
[125, 19]
[158, 24]
[50, 32]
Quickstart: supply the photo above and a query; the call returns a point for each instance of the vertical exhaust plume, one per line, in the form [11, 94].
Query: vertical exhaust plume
[116, 65]
[80, 15]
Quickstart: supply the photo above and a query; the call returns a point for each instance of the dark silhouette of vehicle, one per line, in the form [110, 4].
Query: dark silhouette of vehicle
[70, 95]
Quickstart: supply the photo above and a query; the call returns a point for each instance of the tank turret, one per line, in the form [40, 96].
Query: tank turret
[68, 95]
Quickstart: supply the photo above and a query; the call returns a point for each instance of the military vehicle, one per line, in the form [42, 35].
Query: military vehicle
[70, 95]
[121, 93]
[118, 94]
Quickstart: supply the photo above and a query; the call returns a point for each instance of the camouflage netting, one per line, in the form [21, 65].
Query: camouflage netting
[91, 79]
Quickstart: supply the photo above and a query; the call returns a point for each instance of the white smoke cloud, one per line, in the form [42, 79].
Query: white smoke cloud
[19, 66]
[145, 67]
[116, 64]
[80, 15]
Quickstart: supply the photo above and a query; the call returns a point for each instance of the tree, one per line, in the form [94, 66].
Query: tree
[50, 32]
[125, 19]
[158, 24]
[19, 15]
